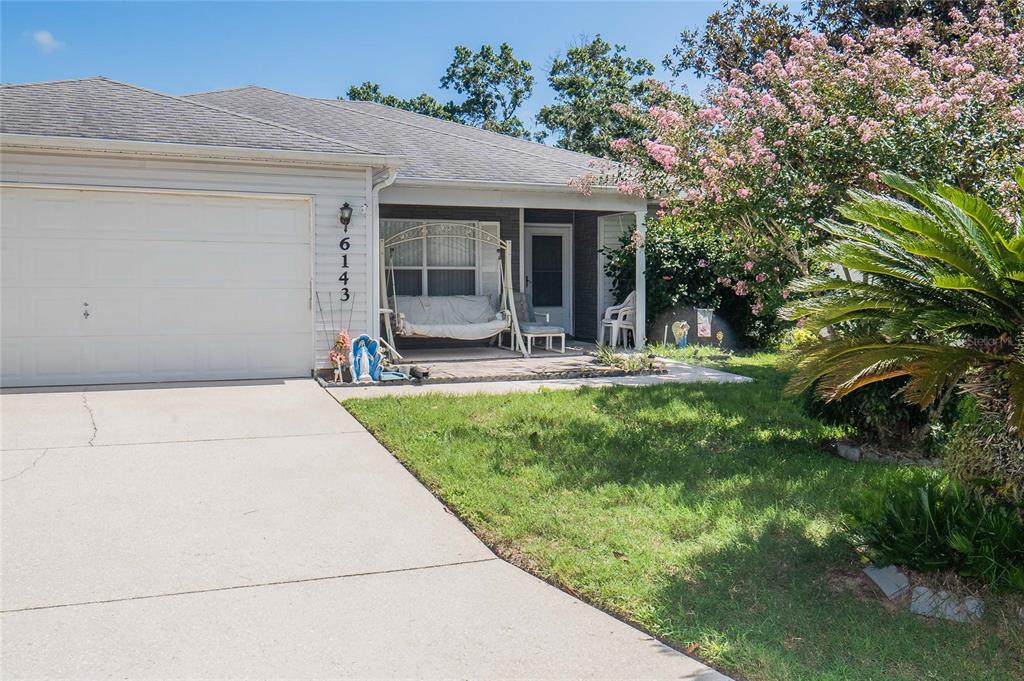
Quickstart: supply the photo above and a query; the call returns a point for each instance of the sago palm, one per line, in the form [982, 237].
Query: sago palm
[937, 293]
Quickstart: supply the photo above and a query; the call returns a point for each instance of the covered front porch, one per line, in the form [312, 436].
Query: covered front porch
[553, 269]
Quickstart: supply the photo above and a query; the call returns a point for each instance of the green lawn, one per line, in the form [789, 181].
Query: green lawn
[707, 514]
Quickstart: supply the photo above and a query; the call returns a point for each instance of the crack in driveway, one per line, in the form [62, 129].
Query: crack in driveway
[92, 419]
[305, 580]
[27, 468]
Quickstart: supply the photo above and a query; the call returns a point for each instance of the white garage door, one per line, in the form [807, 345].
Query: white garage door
[127, 286]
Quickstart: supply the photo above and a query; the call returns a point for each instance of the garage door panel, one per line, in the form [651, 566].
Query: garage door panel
[40, 312]
[32, 262]
[178, 287]
[114, 359]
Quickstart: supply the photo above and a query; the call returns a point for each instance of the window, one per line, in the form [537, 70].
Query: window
[438, 266]
[547, 271]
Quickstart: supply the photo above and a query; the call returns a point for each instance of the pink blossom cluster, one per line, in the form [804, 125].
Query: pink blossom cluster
[665, 119]
[665, 154]
[621, 144]
[798, 128]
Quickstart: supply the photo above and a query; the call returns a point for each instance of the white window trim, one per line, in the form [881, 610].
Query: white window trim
[425, 268]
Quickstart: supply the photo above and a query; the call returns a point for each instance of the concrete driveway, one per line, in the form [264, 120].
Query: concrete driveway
[256, 530]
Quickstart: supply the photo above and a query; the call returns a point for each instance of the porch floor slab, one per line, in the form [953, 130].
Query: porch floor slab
[489, 353]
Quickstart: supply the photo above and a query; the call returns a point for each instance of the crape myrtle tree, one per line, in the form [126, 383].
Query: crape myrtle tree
[742, 32]
[776, 147]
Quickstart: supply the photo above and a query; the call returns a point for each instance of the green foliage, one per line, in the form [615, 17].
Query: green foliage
[741, 33]
[734, 37]
[691, 266]
[708, 355]
[632, 362]
[776, 147]
[941, 298]
[495, 84]
[856, 17]
[875, 413]
[982, 452]
[588, 82]
[935, 524]
[421, 104]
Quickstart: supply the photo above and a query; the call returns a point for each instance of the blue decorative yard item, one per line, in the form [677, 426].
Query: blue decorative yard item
[366, 360]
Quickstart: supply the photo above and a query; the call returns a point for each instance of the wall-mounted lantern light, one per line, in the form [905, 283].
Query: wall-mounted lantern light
[346, 214]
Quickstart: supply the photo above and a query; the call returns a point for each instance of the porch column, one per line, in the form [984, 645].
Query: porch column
[641, 279]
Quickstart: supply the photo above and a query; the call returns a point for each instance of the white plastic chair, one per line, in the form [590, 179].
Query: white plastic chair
[620, 319]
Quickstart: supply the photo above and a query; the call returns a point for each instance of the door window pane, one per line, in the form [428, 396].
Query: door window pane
[546, 278]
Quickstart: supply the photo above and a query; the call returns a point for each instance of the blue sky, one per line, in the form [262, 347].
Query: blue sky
[315, 49]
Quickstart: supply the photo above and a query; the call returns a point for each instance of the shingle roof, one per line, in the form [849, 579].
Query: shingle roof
[107, 109]
[433, 149]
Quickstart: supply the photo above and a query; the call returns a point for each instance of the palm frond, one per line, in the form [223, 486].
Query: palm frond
[942, 270]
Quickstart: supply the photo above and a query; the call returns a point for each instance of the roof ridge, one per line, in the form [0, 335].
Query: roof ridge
[460, 123]
[241, 115]
[54, 81]
[224, 89]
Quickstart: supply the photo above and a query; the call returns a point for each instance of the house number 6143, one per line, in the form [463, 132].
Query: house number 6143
[344, 245]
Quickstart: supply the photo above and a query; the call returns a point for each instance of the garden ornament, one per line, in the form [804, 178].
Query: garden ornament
[680, 331]
[366, 360]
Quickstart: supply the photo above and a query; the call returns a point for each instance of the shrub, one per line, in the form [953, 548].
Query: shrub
[982, 452]
[940, 299]
[692, 266]
[633, 362]
[932, 523]
[877, 416]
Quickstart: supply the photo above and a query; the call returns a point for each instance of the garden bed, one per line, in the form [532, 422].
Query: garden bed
[519, 369]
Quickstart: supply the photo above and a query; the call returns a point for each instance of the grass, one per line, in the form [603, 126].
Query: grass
[708, 514]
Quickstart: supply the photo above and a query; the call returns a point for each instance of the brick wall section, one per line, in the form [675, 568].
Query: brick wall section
[584, 267]
[547, 215]
[508, 217]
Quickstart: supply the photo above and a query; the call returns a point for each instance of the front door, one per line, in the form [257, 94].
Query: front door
[549, 271]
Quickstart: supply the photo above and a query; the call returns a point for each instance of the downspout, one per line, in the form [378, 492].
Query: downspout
[390, 173]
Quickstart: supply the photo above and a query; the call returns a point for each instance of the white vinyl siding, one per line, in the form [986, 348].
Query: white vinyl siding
[325, 188]
[610, 229]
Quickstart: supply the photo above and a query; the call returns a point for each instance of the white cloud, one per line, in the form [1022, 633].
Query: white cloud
[45, 41]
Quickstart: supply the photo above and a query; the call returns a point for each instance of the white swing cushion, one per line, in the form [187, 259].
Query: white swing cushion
[460, 317]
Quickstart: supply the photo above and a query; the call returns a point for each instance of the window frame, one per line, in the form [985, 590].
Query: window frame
[424, 267]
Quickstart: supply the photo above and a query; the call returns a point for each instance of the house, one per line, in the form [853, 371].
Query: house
[149, 237]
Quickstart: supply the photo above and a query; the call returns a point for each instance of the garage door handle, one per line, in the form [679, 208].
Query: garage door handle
[85, 312]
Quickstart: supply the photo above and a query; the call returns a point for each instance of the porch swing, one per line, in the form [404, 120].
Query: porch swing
[458, 317]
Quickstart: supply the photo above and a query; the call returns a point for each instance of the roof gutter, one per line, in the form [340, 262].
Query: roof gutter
[168, 150]
[498, 186]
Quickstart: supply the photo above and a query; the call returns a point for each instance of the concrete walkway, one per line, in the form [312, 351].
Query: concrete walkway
[677, 372]
[255, 530]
